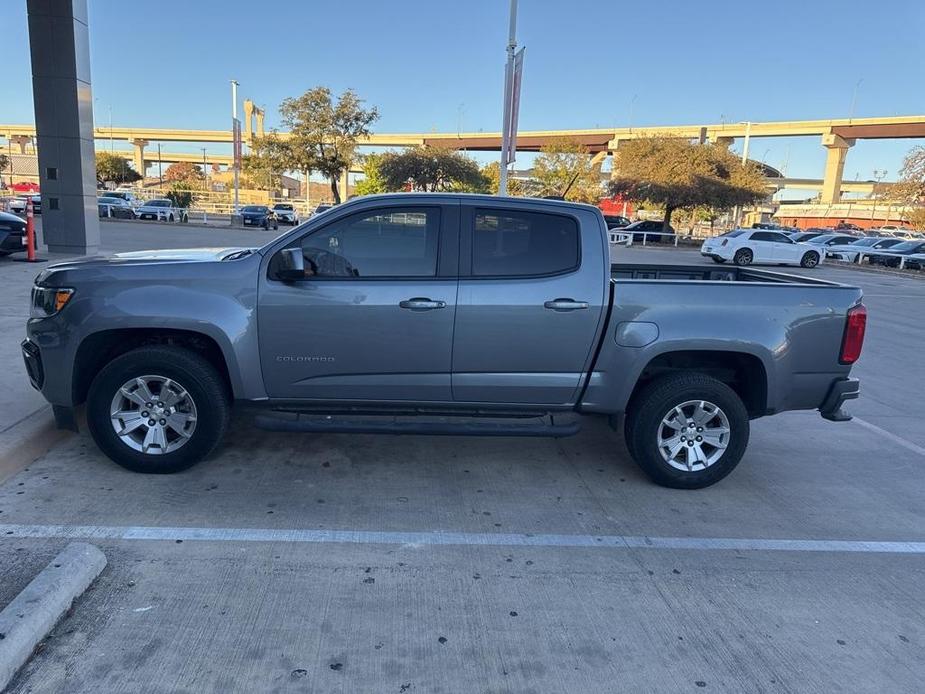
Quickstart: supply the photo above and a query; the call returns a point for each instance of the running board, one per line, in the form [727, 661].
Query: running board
[555, 426]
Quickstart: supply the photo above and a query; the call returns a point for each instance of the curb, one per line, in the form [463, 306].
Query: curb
[29, 439]
[32, 614]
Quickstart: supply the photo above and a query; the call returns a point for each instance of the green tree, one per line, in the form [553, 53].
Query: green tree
[184, 171]
[564, 169]
[916, 217]
[269, 157]
[677, 174]
[373, 182]
[113, 168]
[910, 188]
[491, 175]
[182, 194]
[430, 169]
[323, 134]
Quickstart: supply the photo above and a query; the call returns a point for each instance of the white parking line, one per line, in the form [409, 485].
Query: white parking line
[898, 440]
[440, 538]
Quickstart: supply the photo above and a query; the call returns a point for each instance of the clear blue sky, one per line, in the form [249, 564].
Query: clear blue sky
[434, 65]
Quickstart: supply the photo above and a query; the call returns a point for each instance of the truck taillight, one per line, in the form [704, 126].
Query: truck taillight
[853, 339]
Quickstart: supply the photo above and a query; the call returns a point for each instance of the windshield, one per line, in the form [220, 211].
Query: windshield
[283, 208]
[907, 246]
[157, 203]
[254, 208]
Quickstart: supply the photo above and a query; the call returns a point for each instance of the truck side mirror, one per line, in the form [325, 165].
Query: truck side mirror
[291, 265]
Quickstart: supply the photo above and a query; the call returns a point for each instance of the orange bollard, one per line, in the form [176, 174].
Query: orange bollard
[30, 231]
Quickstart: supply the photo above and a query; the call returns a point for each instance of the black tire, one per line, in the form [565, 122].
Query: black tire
[644, 421]
[275, 226]
[809, 259]
[266, 224]
[717, 259]
[193, 373]
[170, 218]
[743, 256]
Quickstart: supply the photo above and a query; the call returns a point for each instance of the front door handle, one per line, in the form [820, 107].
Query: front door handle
[421, 304]
[565, 305]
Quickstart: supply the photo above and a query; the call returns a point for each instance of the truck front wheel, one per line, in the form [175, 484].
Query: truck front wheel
[687, 430]
[158, 409]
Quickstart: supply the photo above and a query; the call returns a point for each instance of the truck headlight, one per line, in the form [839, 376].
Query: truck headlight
[47, 301]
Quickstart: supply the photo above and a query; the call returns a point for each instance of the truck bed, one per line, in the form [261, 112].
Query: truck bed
[703, 273]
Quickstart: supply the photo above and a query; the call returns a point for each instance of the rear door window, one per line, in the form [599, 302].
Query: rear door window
[511, 243]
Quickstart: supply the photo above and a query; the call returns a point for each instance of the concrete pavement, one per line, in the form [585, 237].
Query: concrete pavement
[328, 563]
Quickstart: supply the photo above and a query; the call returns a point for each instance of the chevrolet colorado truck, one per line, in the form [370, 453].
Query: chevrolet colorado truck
[437, 314]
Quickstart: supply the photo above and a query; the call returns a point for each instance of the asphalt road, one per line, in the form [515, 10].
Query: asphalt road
[337, 563]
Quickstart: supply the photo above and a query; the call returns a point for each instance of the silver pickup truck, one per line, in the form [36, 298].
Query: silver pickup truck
[437, 314]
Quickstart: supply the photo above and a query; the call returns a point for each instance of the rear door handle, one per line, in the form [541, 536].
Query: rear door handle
[421, 304]
[565, 305]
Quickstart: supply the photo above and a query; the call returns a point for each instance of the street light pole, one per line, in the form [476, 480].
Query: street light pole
[508, 105]
[748, 135]
[234, 130]
[205, 179]
[110, 129]
[879, 175]
[854, 99]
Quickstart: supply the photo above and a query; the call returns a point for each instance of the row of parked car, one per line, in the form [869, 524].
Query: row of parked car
[808, 249]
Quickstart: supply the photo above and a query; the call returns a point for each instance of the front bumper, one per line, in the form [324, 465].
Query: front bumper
[841, 390]
[32, 357]
[12, 241]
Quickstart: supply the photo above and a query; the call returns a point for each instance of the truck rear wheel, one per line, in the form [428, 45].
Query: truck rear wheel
[687, 430]
[158, 409]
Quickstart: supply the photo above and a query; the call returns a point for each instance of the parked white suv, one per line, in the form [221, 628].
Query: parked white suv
[747, 246]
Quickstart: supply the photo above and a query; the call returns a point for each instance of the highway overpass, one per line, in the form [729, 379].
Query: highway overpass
[836, 135]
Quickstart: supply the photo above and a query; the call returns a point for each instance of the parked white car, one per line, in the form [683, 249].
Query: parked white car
[18, 205]
[285, 213]
[161, 210]
[747, 246]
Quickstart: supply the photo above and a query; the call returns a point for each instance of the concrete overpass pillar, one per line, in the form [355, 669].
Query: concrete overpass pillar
[248, 120]
[837, 150]
[22, 141]
[721, 140]
[260, 116]
[344, 185]
[60, 48]
[138, 156]
[613, 148]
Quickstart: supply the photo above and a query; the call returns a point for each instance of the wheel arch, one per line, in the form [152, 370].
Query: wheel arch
[99, 348]
[744, 372]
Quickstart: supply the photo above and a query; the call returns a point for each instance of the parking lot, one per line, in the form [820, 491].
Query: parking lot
[334, 563]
